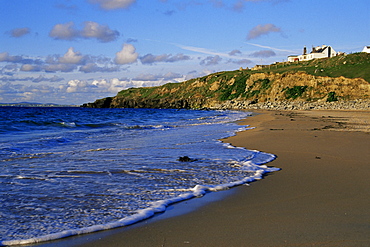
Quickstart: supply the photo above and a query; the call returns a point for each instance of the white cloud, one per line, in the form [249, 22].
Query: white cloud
[126, 55]
[211, 60]
[208, 51]
[241, 61]
[75, 85]
[9, 69]
[263, 53]
[71, 57]
[12, 92]
[70, 61]
[30, 67]
[59, 67]
[168, 58]
[260, 30]
[202, 50]
[65, 31]
[19, 32]
[146, 77]
[101, 32]
[69, 7]
[92, 67]
[111, 86]
[75, 91]
[158, 79]
[238, 6]
[235, 52]
[40, 78]
[269, 47]
[90, 30]
[172, 76]
[5, 57]
[27, 96]
[43, 78]
[113, 4]
[106, 86]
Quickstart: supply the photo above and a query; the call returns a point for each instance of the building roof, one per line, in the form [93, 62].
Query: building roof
[319, 49]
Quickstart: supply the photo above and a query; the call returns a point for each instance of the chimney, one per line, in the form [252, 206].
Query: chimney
[304, 50]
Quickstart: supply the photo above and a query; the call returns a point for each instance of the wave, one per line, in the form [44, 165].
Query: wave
[257, 172]
[68, 124]
[113, 124]
[34, 125]
[47, 123]
[97, 125]
[118, 149]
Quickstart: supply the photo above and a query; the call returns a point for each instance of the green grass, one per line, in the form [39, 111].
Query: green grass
[294, 92]
[356, 65]
[265, 83]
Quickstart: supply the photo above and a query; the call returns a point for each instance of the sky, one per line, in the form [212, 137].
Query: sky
[76, 51]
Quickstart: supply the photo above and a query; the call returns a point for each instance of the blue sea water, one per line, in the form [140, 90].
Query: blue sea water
[67, 171]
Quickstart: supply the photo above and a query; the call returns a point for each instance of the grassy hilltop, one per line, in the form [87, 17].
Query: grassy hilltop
[344, 77]
[350, 66]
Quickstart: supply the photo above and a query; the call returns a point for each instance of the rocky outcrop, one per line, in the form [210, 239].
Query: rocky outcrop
[100, 103]
[121, 102]
[358, 104]
[314, 88]
[150, 103]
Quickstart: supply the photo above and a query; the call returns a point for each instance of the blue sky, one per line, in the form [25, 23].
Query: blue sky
[76, 51]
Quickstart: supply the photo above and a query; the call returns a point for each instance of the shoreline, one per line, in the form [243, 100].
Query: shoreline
[319, 198]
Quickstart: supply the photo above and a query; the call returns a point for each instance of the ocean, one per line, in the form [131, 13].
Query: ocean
[68, 171]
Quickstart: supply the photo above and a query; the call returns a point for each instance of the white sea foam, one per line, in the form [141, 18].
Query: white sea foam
[155, 207]
[70, 125]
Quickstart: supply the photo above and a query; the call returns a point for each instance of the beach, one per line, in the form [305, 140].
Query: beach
[320, 196]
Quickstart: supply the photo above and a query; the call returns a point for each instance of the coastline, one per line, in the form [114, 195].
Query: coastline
[319, 198]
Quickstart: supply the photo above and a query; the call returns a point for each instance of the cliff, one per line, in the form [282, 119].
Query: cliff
[342, 78]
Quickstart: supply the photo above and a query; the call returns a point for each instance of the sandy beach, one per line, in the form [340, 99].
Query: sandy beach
[320, 197]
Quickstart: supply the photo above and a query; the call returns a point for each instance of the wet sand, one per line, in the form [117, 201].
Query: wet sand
[320, 197]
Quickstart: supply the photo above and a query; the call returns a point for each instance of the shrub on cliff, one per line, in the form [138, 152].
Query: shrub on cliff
[332, 97]
[294, 92]
[234, 90]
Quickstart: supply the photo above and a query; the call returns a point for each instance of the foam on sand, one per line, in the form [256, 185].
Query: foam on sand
[156, 207]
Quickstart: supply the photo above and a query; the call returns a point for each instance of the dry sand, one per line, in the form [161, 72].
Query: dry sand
[321, 197]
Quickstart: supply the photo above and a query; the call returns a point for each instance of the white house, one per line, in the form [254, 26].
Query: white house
[317, 52]
[366, 49]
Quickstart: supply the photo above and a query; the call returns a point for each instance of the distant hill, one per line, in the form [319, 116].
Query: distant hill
[344, 77]
[30, 104]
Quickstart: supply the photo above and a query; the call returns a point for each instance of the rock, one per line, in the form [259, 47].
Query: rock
[185, 159]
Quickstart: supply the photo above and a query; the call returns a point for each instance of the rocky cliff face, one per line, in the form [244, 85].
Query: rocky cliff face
[241, 86]
[301, 86]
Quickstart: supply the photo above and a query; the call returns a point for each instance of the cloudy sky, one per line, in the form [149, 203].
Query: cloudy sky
[75, 51]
